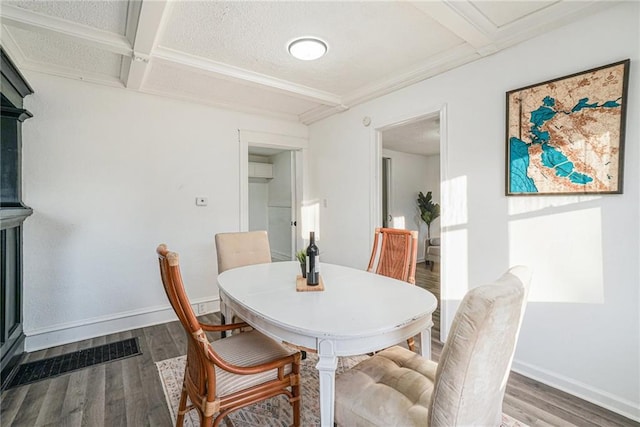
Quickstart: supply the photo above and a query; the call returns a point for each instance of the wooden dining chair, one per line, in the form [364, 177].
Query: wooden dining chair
[395, 251]
[230, 373]
[237, 249]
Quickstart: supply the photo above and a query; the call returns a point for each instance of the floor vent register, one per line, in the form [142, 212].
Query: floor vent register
[31, 372]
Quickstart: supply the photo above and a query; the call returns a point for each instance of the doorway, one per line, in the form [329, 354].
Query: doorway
[272, 199]
[409, 159]
[410, 165]
[271, 182]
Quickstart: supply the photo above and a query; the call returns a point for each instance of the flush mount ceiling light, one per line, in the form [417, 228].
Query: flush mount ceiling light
[307, 48]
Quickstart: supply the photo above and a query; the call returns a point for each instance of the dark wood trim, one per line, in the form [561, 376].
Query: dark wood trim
[13, 217]
[13, 75]
[12, 333]
[12, 364]
[3, 293]
[19, 114]
[12, 214]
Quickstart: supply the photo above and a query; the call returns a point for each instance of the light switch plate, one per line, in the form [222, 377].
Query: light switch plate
[202, 201]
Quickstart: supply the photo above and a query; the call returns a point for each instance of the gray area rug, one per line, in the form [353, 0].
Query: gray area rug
[274, 412]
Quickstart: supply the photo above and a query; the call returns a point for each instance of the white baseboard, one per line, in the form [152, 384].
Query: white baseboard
[614, 403]
[65, 333]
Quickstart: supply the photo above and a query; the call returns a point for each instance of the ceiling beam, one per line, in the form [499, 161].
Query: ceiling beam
[434, 65]
[150, 19]
[220, 104]
[11, 46]
[24, 63]
[320, 112]
[246, 77]
[449, 15]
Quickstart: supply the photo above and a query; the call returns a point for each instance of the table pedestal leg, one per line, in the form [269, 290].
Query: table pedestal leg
[326, 366]
[425, 342]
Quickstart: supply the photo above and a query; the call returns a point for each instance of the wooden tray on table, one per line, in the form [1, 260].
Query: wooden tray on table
[301, 285]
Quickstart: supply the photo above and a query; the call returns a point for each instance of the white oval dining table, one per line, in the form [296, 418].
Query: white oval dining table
[357, 313]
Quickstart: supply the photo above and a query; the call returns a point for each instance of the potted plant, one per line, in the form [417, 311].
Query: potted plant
[429, 211]
[301, 256]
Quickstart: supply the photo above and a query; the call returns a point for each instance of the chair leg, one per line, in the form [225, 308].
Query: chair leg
[295, 393]
[411, 343]
[222, 416]
[296, 405]
[181, 408]
[223, 321]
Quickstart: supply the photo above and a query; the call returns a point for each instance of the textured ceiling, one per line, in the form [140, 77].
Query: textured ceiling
[417, 137]
[255, 38]
[105, 15]
[234, 54]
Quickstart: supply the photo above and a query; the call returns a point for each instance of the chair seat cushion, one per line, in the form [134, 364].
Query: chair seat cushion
[392, 388]
[247, 349]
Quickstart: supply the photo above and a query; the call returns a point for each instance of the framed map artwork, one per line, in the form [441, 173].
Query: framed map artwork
[566, 136]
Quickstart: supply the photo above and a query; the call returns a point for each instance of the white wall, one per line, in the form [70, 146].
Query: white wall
[110, 174]
[581, 332]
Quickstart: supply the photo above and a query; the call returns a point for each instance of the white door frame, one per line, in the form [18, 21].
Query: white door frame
[298, 145]
[386, 185]
[376, 180]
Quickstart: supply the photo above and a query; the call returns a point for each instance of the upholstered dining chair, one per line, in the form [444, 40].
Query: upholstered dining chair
[230, 373]
[238, 249]
[397, 387]
[394, 255]
[432, 251]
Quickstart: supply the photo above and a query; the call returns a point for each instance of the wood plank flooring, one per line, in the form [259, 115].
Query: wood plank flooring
[129, 393]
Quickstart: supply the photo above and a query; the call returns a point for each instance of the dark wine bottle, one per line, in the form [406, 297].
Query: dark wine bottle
[313, 261]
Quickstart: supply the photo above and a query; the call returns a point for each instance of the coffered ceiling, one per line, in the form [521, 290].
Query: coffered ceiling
[234, 54]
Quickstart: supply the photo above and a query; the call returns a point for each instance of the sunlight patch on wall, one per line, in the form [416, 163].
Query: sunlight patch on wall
[520, 205]
[454, 202]
[310, 212]
[565, 253]
[455, 250]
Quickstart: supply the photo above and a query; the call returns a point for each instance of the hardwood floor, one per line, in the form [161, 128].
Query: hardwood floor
[128, 392]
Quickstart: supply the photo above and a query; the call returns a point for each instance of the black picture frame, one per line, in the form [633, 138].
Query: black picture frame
[566, 135]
